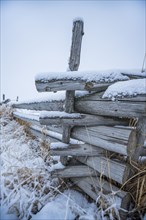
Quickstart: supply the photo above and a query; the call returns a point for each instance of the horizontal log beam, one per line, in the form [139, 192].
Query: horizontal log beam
[111, 108]
[76, 119]
[77, 150]
[39, 106]
[119, 140]
[74, 171]
[59, 85]
[97, 96]
[114, 170]
[29, 118]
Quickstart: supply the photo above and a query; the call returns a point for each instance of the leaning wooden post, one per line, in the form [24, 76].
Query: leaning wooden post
[74, 62]
[140, 137]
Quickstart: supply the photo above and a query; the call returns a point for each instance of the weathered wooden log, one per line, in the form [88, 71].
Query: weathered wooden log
[77, 150]
[96, 188]
[119, 140]
[74, 171]
[54, 105]
[97, 96]
[140, 138]
[142, 152]
[74, 62]
[29, 118]
[112, 169]
[39, 132]
[76, 119]
[59, 85]
[94, 104]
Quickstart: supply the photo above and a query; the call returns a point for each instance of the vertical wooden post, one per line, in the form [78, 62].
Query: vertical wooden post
[140, 137]
[3, 97]
[74, 62]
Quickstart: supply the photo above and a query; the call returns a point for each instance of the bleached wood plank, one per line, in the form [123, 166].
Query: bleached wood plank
[74, 171]
[115, 170]
[39, 106]
[111, 108]
[77, 150]
[77, 119]
[74, 62]
[29, 118]
[109, 138]
[140, 138]
[59, 85]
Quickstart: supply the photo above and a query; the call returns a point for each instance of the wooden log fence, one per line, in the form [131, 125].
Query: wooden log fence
[98, 132]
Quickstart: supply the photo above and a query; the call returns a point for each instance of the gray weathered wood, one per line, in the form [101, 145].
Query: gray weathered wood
[115, 170]
[39, 133]
[74, 62]
[59, 85]
[110, 138]
[97, 96]
[77, 150]
[81, 120]
[77, 34]
[95, 186]
[111, 108]
[74, 171]
[140, 138]
[29, 118]
[39, 106]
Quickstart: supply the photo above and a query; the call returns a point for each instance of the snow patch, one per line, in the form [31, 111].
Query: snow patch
[58, 145]
[127, 88]
[90, 76]
[58, 114]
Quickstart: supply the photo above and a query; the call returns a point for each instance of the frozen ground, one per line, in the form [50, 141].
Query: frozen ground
[27, 190]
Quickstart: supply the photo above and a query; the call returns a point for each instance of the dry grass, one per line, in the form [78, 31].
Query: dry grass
[136, 185]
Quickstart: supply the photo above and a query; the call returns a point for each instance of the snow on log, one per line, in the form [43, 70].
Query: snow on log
[75, 80]
[110, 108]
[129, 88]
[77, 119]
[115, 139]
[27, 117]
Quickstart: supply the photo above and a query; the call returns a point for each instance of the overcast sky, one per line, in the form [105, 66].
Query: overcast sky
[36, 37]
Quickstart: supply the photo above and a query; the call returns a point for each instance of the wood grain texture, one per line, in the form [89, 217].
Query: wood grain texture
[78, 150]
[60, 85]
[109, 138]
[74, 61]
[140, 138]
[106, 167]
[74, 171]
[82, 120]
[111, 108]
[39, 106]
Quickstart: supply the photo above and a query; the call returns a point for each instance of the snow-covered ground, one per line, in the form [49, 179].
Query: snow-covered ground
[27, 189]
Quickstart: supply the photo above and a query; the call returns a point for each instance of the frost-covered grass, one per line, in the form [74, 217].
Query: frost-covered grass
[26, 185]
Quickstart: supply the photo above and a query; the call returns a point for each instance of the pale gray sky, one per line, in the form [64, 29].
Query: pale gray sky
[36, 37]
